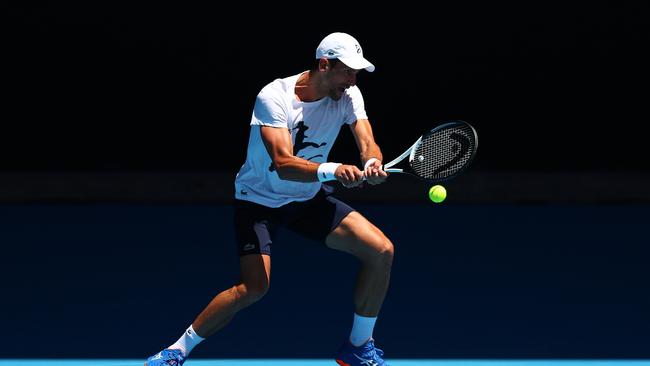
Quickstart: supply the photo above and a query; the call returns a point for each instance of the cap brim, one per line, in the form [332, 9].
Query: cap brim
[358, 63]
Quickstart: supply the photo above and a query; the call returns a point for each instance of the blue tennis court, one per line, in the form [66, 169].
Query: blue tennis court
[318, 362]
[501, 285]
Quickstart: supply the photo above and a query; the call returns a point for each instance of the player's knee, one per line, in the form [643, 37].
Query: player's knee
[387, 252]
[383, 253]
[252, 292]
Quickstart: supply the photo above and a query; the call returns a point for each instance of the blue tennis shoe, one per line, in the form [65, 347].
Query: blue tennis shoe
[166, 357]
[364, 355]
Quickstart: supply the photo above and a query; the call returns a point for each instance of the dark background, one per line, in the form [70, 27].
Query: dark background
[159, 86]
[123, 127]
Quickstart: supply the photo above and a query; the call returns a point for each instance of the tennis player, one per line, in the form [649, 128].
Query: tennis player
[294, 124]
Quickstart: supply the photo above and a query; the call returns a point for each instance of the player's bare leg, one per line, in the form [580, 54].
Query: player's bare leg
[255, 276]
[255, 279]
[358, 236]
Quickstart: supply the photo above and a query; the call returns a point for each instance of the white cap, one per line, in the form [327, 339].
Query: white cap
[344, 47]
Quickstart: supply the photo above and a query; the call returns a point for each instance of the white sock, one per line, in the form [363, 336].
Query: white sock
[187, 341]
[362, 328]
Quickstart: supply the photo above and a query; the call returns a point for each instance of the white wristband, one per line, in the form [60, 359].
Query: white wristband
[370, 161]
[326, 171]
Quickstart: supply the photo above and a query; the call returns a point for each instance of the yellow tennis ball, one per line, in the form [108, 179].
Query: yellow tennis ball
[437, 193]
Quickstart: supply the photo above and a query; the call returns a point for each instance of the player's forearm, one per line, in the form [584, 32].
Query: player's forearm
[370, 151]
[297, 169]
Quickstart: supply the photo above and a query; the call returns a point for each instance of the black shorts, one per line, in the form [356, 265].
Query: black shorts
[314, 219]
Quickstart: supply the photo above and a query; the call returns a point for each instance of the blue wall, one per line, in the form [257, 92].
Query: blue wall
[468, 281]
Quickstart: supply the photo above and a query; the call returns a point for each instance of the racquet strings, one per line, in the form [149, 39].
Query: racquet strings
[445, 152]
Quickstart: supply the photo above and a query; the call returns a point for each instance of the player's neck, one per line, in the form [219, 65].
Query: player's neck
[306, 88]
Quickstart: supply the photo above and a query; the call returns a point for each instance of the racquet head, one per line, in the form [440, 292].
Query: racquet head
[440, 154]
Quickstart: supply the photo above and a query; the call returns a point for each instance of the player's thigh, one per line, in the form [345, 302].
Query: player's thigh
[358, 236]
[255, 271]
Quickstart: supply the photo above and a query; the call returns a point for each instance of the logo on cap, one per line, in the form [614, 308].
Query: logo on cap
[345, 48]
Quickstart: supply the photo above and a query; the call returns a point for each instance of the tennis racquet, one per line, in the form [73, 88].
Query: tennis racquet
[440, 154]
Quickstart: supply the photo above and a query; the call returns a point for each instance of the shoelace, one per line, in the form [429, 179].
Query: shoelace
[371, 351]
[178, 359]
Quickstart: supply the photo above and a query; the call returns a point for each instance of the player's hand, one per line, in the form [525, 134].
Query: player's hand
[374, 174]
[349, 176]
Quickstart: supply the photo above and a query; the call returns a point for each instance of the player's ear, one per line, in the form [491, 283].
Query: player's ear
[323, 64]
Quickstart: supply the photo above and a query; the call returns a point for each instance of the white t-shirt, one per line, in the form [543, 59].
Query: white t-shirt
[313, 126]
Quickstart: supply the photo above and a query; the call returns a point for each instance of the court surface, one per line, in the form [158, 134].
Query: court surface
[320, 362]
[528, 282]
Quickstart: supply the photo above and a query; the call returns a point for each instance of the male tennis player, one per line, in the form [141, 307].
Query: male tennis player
[294, 124]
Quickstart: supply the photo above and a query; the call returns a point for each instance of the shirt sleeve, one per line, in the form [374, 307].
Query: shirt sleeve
[356, 109]
[270, 109]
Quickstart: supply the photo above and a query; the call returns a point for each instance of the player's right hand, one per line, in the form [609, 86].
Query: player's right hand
[374, 174]
[349, 175]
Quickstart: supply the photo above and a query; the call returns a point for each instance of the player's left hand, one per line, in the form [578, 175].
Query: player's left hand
[374, 174]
